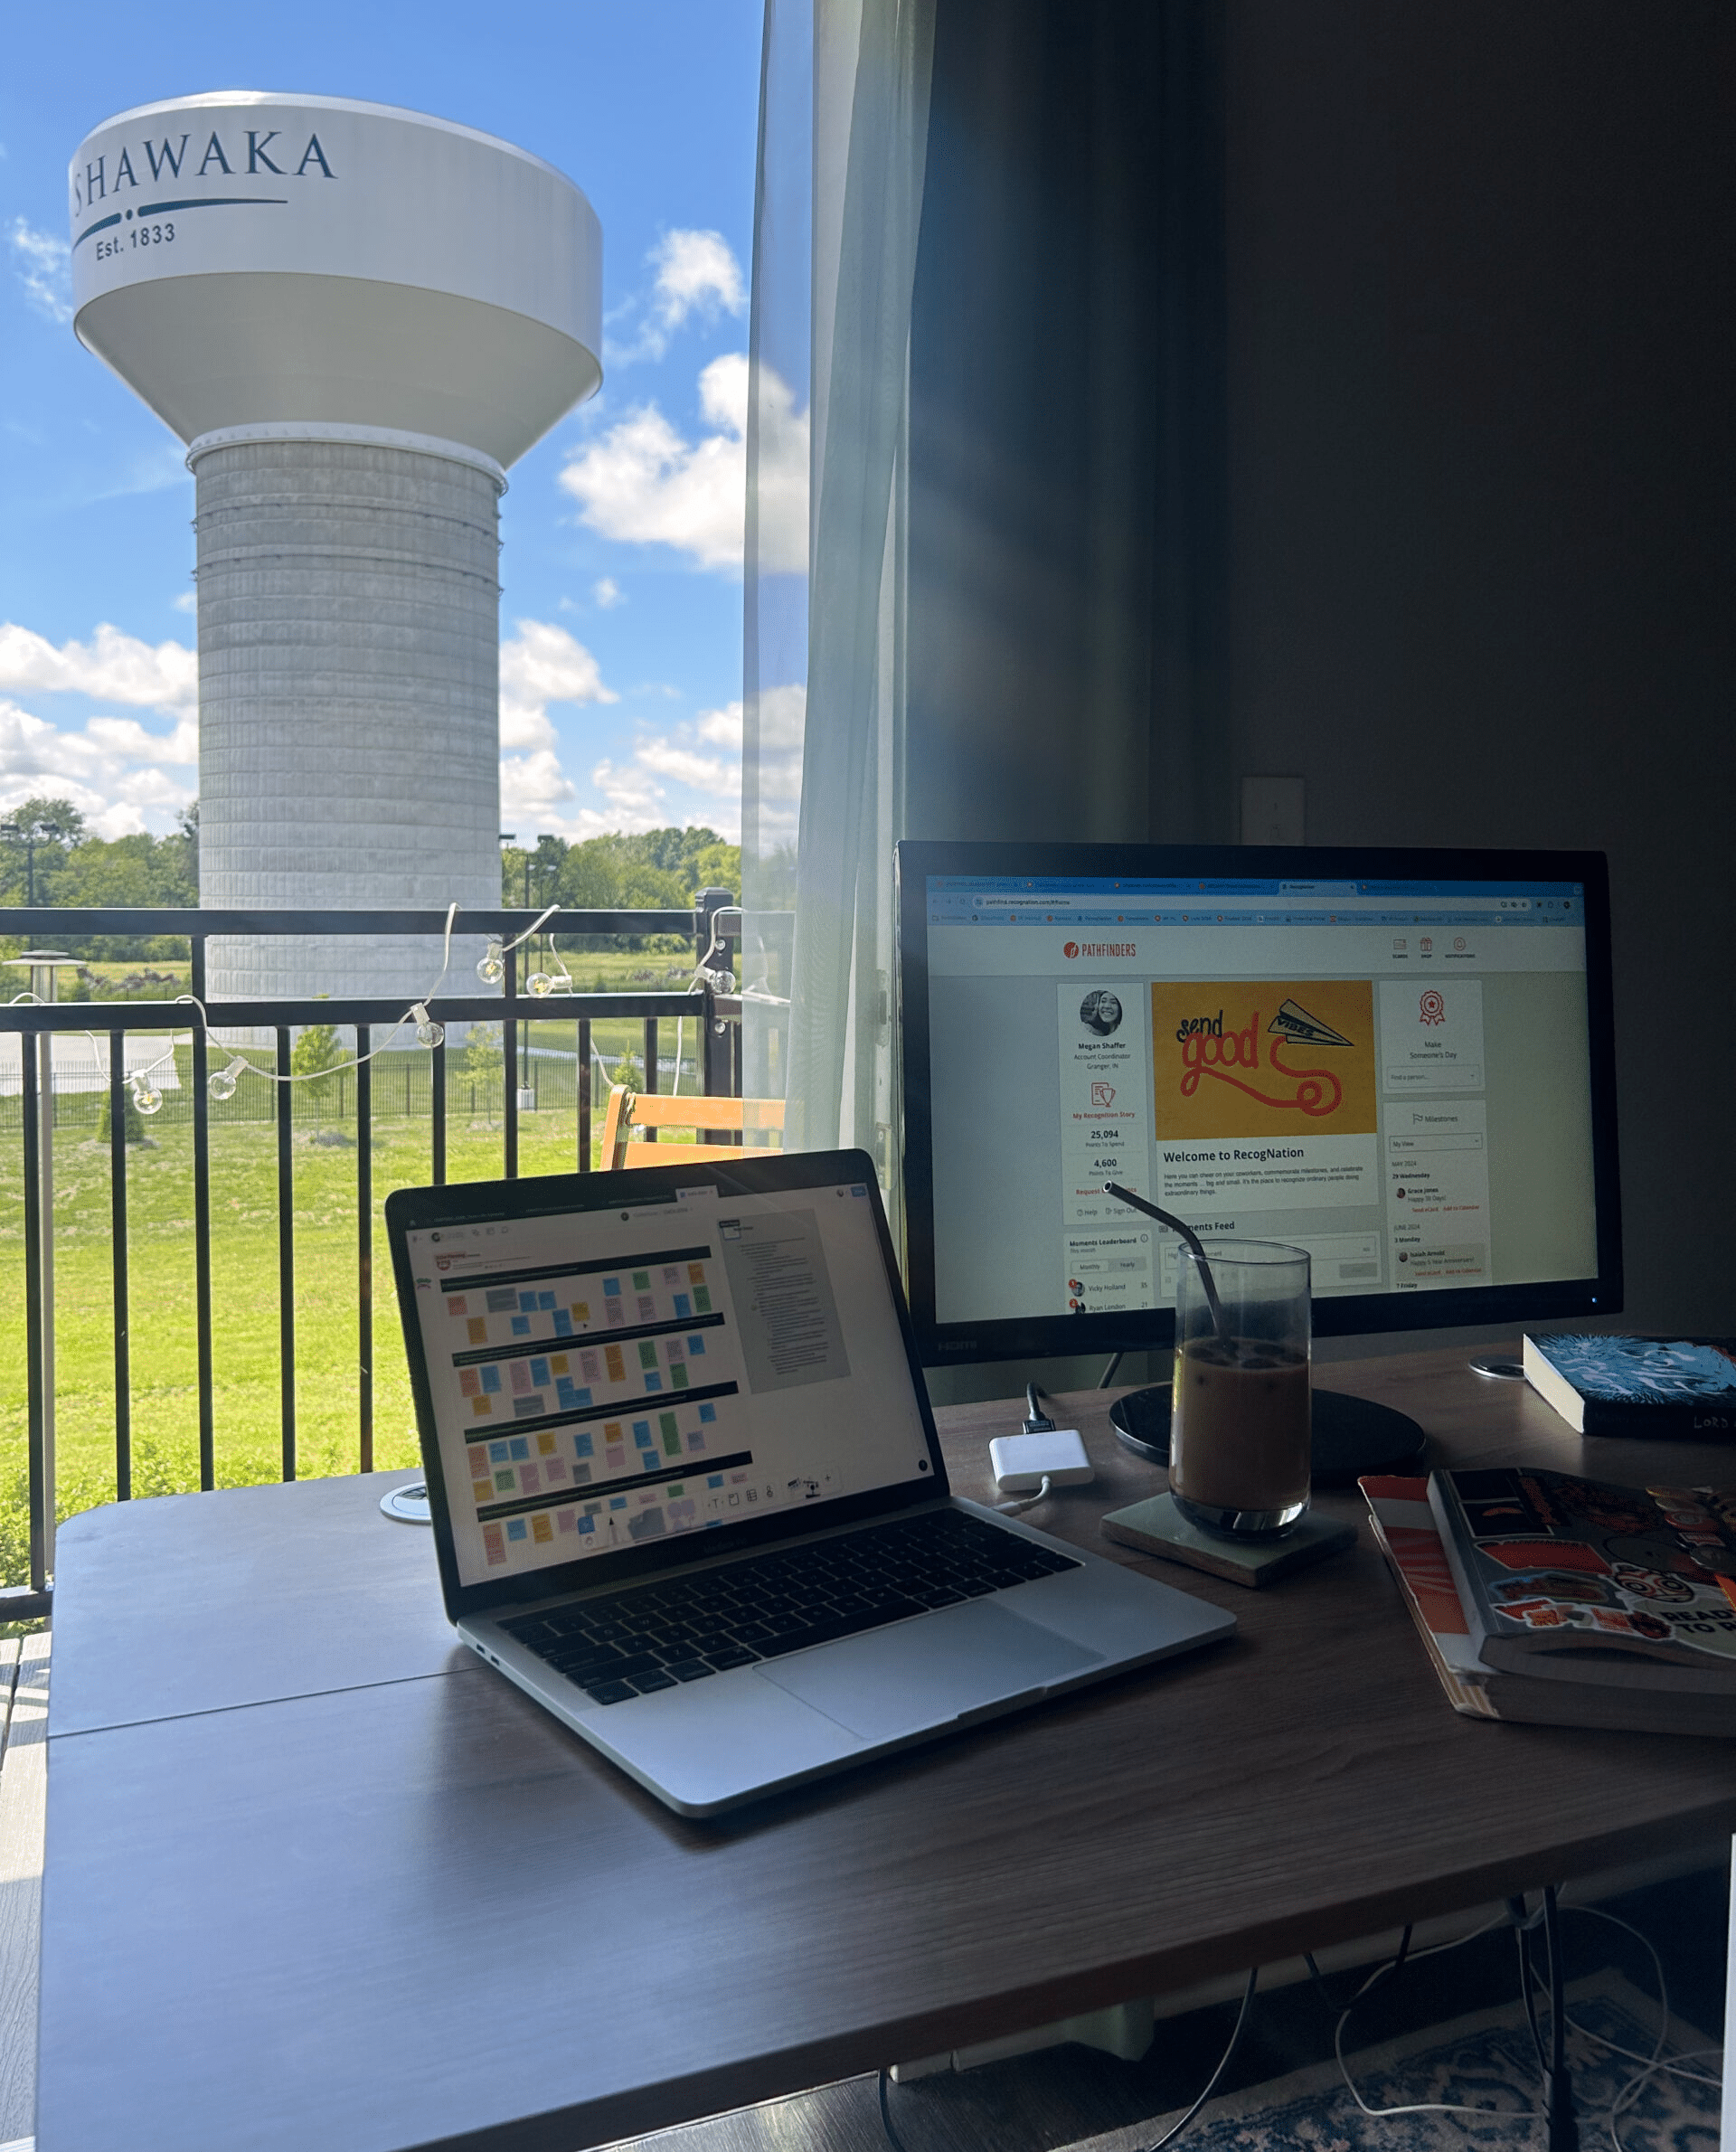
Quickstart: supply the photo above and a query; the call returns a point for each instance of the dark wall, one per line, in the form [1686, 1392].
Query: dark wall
[1480, 391]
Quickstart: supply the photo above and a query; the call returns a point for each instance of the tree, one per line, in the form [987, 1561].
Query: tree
[39, 832]
[318, 1050]
[131, 1122]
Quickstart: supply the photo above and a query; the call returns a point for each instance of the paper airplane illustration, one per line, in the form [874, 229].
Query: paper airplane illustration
[1293, 1021]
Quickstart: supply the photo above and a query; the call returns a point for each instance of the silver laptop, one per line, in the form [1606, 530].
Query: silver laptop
[686, 1490]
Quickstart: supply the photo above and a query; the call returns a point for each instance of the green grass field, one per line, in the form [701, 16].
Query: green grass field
[244, 1289]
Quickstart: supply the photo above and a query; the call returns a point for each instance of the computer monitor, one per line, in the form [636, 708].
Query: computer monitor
[1402, 1062]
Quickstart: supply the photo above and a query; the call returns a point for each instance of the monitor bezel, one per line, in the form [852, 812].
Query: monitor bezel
[953, 1344]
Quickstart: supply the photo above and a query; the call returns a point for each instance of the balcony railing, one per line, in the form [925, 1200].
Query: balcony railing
[365, 1090]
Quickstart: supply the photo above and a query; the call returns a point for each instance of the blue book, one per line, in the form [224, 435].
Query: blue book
[1682, 1389]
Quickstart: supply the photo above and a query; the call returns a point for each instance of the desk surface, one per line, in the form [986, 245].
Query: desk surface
[397, 1904]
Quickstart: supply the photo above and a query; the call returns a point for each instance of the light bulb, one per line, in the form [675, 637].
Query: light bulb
[491, 966]
[541, 984]
[222, 1082]
[720, 982]
[428, 1033]
[146, 1095]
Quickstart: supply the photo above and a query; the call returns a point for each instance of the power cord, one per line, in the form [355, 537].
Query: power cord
[1176, 2128]
[1036, 1421]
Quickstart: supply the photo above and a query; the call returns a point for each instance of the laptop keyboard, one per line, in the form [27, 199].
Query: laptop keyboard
[632, 1642]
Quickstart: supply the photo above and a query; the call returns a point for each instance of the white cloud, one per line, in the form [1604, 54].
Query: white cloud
[112, 668]
[113, 771]
[542, 664]
[695, 274]
[642, 481]
[721, 727]
[187, 602]
[43, 264]
[606, 593]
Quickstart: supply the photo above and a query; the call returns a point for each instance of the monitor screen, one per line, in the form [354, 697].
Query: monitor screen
[1402, 1062]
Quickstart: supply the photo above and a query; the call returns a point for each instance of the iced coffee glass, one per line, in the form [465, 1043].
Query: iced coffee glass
[1239, 1428]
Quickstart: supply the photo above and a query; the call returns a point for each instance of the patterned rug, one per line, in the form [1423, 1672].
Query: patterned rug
[1485, 2061]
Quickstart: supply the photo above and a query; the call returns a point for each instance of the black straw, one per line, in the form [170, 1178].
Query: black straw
[1187, 1233]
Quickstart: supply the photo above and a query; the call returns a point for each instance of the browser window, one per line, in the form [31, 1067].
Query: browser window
[1394, 1076]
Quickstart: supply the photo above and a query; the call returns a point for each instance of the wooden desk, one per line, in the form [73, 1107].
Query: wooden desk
[397, 1904]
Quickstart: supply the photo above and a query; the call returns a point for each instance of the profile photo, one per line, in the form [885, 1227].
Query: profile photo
[1101, 1011]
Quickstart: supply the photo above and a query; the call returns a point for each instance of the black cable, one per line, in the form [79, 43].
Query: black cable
[1176, 2129]
[892, 2138]
[1343, 2009]
[1111, 1371]
[1036, 1421]
[1558, 2085]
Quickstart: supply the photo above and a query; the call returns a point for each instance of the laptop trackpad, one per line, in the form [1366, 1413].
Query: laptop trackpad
[919, 1674]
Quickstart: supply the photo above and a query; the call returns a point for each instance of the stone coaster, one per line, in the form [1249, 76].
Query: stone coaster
[1156, 1527]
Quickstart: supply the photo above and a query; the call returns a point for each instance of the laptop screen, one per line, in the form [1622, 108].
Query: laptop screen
[603, 1379]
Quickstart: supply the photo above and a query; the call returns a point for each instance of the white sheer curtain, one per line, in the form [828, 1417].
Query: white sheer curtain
[866, 136]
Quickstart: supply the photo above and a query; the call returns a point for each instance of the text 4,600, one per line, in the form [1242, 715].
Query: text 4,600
[141, 235]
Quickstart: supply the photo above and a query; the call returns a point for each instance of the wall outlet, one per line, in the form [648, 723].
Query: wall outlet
[1271, 810]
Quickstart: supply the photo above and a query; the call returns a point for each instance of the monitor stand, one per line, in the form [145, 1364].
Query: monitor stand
[1351, 1435]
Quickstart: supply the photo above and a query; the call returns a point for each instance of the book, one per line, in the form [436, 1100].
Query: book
[1636, 1586]
[1683, 1389]
[1405, 1530]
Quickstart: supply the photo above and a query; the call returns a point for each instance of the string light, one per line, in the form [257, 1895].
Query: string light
[428, 1033]
[146, 1098]
[224, 1081]
[491, 966]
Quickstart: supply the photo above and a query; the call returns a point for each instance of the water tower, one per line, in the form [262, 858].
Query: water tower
[356, 317]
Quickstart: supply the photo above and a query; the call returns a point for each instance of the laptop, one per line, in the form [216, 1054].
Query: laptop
[686, 1490]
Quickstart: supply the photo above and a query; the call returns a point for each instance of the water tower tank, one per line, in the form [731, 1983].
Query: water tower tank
[356, 317]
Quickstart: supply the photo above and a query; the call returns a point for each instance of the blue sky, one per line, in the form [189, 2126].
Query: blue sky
[621, 618]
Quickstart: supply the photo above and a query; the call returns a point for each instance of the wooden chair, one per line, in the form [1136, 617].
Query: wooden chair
[630, 1109]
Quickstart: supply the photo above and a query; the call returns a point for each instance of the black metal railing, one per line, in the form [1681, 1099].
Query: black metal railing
[717, 1013]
